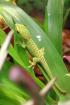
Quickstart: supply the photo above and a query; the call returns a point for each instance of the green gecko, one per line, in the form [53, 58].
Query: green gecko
[37, 54]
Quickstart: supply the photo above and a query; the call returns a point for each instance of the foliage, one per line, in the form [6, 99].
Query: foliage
[42, 39]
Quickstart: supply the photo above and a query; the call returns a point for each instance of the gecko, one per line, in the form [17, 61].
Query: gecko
[36, 53]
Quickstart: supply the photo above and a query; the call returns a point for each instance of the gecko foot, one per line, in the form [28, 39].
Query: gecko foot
[34, 62]
[21, 44]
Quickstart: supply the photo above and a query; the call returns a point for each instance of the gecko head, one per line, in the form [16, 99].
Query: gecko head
[23, 31]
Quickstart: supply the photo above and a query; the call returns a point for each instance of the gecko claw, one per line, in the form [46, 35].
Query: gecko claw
[21, 44]
[34, 62]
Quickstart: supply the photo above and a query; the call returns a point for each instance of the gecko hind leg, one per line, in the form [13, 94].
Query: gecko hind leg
[34, 62]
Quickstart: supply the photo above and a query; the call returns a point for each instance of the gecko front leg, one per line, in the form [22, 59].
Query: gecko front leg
[22, 44]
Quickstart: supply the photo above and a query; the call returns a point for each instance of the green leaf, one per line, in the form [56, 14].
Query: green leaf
[54, 11]
[12, 52]
[8, 90]
[4, 100]
[45, 25]
[2, 33]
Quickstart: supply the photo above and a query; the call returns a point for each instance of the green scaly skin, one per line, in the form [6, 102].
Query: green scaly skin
[35, 51]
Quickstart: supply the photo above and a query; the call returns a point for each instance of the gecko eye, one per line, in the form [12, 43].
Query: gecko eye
[17, 32]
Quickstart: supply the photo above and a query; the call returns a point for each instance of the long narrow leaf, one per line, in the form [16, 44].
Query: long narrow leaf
[55, 20]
